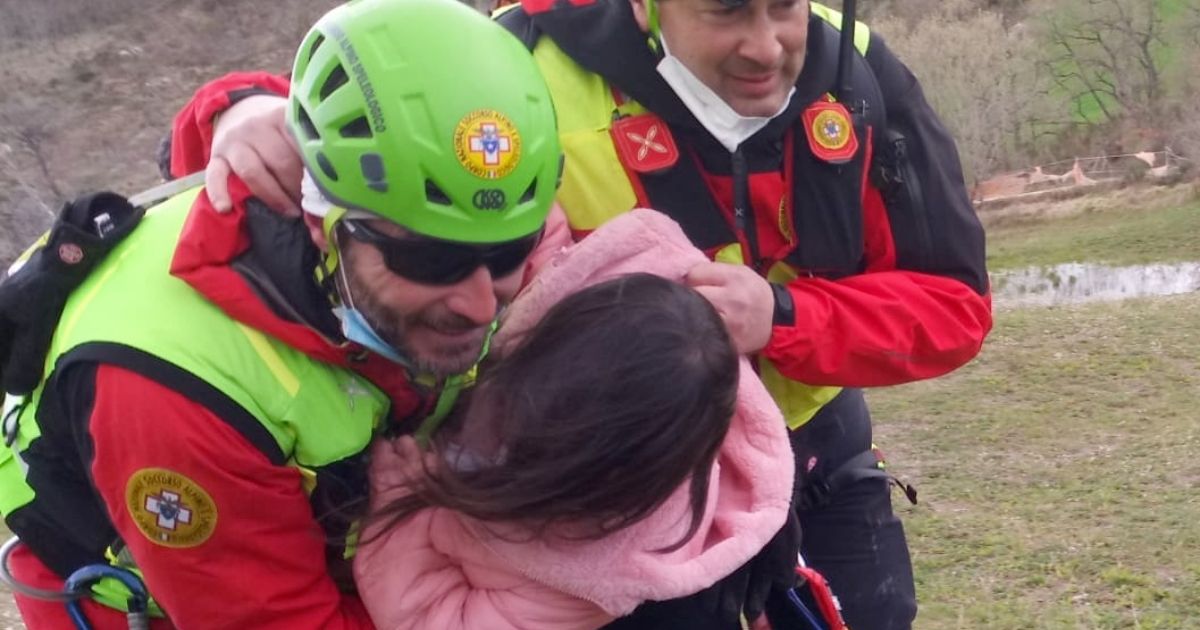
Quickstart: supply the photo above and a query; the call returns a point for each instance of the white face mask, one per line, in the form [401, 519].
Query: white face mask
[311, 199]
[730, 128]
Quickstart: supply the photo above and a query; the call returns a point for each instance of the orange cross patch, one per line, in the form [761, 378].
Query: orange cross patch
[644, 143]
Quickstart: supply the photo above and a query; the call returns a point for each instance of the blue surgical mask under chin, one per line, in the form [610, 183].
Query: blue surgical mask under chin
[729, 128]
[356, 328]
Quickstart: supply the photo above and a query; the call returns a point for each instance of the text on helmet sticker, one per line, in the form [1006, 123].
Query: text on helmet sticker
[487, 144]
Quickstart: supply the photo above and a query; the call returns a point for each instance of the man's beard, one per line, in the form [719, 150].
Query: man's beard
[447, 360]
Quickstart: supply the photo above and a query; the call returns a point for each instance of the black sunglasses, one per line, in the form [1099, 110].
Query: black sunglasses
[432, 261]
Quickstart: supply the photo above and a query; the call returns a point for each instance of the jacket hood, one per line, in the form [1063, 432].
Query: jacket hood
[603, 37]
[751, 484]
[250, 262]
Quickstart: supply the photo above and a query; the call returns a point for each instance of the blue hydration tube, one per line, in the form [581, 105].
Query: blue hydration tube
[31, 592]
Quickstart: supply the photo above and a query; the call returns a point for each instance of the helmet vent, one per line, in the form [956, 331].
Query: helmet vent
[435, 195]
[530, 192]
[357, 128]
[336, 79]
[306, 123]
[326, 167]
[373, 171]
[316, 44]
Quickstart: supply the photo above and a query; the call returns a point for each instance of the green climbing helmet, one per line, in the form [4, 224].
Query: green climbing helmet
[428, 114]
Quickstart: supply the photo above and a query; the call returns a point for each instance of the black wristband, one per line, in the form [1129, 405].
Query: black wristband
[785, 308]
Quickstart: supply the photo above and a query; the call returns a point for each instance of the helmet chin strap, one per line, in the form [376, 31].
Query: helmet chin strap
[341, 283]
[329, 227]
[327, 274]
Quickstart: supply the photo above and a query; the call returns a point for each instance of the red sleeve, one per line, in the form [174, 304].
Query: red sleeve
[878, 329]
[192, 131]
[225, 538]
[907, 317]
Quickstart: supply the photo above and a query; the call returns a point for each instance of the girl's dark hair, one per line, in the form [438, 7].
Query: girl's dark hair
[614, 399]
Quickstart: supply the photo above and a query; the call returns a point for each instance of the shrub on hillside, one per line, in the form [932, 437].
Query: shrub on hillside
[976, 73]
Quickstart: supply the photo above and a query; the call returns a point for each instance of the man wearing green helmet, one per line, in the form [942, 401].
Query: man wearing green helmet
[213, 382]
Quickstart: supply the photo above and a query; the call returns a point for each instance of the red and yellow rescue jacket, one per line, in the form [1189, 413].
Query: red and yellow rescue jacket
[878, 246]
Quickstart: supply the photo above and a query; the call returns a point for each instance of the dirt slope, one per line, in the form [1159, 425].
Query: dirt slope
[85, 110]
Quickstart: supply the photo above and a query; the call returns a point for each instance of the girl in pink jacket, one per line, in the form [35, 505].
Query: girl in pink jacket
[615, 450]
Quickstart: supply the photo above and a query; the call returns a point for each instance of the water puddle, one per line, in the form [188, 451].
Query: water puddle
[1075, 283]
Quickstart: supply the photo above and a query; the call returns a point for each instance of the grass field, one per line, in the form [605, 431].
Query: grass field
[1123, 236]
[1059, 471]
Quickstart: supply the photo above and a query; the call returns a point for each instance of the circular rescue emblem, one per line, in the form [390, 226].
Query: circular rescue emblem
[831, 129]
[170, 509]
[70, 253]
[487, 144]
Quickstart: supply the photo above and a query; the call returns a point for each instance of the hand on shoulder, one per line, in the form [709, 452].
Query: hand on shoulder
[251, 140]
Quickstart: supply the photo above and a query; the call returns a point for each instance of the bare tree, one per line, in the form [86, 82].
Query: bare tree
[977, 74]
[1106, 57]
[1183, 133]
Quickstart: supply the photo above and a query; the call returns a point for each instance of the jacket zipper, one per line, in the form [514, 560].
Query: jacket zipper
[743, 212]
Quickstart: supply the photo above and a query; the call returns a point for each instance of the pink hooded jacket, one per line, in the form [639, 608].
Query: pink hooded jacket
[439, 569]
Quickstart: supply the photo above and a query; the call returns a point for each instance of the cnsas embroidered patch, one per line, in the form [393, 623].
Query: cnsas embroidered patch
[487, 144]
[170, 509]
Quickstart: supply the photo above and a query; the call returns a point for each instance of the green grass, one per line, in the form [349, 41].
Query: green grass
[1059, 470]
[1120, 237]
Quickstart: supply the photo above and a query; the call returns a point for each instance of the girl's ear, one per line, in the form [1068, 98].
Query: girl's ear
[316, 230]
[641, 14]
